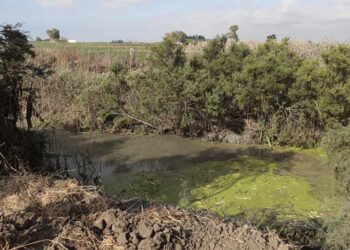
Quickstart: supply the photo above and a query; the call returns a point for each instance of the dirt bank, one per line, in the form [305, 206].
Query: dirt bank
[43, 213]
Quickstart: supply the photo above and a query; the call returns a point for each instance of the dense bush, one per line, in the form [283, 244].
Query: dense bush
[284, 98]
[337, 144]
[292, 99]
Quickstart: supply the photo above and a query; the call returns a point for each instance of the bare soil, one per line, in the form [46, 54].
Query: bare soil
[46, 213]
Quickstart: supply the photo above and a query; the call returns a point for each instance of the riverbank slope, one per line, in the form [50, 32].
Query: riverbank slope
[47, 213]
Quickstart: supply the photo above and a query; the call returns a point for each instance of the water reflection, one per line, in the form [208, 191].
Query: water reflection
[123, 154]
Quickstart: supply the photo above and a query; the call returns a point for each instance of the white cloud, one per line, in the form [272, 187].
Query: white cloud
[123, 3]
[314, 19]
[55, 3]
[311, 19]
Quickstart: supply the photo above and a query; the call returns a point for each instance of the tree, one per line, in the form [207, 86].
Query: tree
[14, 50]
[196, 38]
[13, 67]
[233, 33]
[266, 78]
[272, 37]
[337, 60]
[38, 39]
[54, 34]
[215, 48]
[211, 95]
[176, 36]
[117, 41]
[263, 86]
[169, 54]
[334, 101]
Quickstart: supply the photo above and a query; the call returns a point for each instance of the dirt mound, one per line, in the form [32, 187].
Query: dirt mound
[43, 213]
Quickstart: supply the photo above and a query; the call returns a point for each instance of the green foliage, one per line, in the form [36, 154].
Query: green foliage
[215, 48]
[119, 69]
[176, 36]
[338, 61]
[335, 99]
[14, 68]
[212, 90]
[322, 92]
[263, 85]
[162, 102]
[233, 33]
[117, 41]
[269, 94]
[14, 49]
[169, 54]
[182, 37]
[145, 184]
[272, 37]
[266, 78]
[53, 34]
[189, 97]
[196, 38]
[337, 143]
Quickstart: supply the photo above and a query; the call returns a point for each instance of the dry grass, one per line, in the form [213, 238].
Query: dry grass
[62, 214]
[64, 58]
[303, 48]
[56, 203]
[29, 192]
[65, 202]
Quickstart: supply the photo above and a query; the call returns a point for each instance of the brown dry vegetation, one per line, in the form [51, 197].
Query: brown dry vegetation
[67, 58]
[46, 213]
[68, 97]
[305, 49]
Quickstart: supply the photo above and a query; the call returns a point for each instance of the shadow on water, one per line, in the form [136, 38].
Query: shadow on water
[171, 169]
[212, 154]
[154, 153]
[171, 179]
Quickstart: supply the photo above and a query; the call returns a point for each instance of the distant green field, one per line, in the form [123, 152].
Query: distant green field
[142, 50]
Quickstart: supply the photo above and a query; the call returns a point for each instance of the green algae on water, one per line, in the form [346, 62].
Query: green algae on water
[229, 188]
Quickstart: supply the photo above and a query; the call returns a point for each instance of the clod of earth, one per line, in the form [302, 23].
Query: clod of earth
[144, 230]
[109, 224]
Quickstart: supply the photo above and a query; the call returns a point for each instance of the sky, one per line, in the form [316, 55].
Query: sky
[149, 20]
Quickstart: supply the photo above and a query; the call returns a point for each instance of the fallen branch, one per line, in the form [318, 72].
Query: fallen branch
[136, 119]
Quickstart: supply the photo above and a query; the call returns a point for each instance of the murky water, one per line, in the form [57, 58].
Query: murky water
[120, 154]
[195, 173]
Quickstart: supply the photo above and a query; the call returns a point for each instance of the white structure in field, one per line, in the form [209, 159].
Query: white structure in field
[72, 41]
